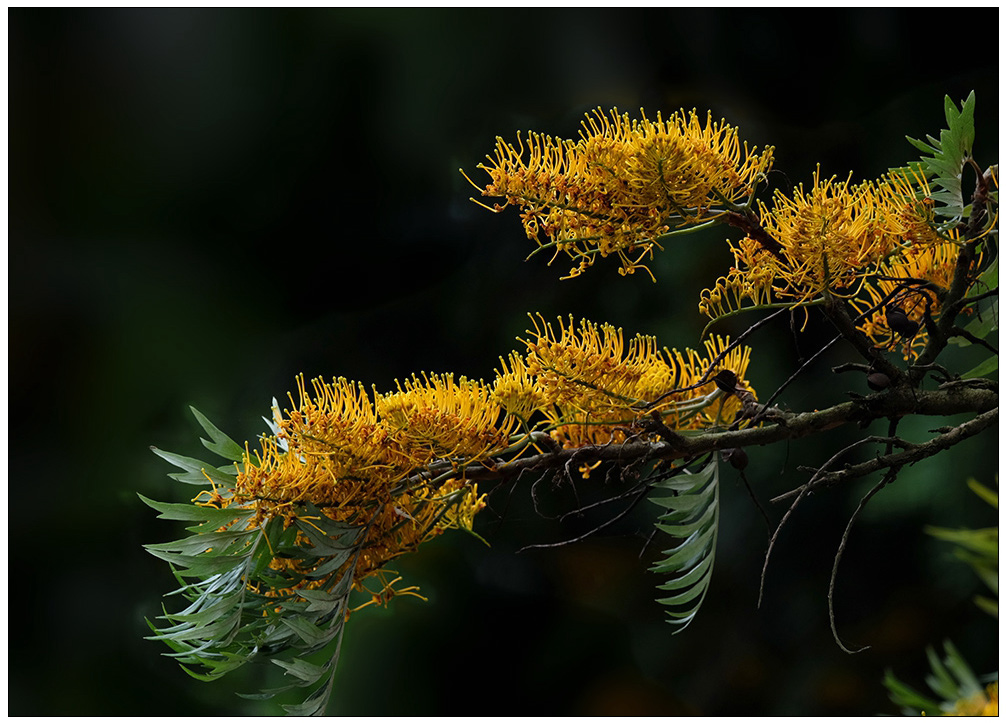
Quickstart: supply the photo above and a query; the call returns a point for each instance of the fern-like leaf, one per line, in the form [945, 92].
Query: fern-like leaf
[945, 157]
[691, 504]
[241, 606]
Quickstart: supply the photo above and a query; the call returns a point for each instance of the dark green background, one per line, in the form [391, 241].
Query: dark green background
[205, 203]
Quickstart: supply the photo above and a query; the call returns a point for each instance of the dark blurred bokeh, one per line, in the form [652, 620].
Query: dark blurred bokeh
[204, 203]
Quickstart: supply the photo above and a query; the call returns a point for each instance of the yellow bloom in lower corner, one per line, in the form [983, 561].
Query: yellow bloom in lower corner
[985, 703]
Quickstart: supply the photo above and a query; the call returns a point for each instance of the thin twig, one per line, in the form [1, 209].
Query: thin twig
[793, 376]
[911, 454]
[736, 342]
[600, 503]
[757, 502]
[771, 541]
[804, 490]
[603, 525]
[958, 331]
[888, 478]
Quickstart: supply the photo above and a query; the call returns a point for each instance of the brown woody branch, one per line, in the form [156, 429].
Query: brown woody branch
[748, 222]
[952, 398]
[910, 455]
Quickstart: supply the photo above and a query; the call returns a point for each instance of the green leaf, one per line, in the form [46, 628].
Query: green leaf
[310, 633]
[690, 528]
[988, 605]
[192, 513]
[197, 472]
[921, 145]
[200, 565]
[693, 576]
[308, 673]
[203, 633]
[691, 516]
[218, 667]
[903, 695]
[989, 278]
[982, 325]
[314, 704]
[330, 565]
[984, 369]
[221, 444]
[324, 545]
[984, 541]
[962, 123]
[952, 678]
[967, 683]
[945, 157]
[206, 610]
[984, 492]
[193, 467]
[322, 601]
[212, 544]
[688, 595]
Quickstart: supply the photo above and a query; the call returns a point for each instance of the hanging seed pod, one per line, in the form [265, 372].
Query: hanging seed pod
[736, 456]
[878, 381]
[899, 322]
[726, 380]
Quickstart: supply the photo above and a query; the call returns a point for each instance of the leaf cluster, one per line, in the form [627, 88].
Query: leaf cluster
[947, 156]
[978, 548]
[241, 606]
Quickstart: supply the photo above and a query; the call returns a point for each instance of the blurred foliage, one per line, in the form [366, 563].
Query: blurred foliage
[204, 203]
[978, 548]
[951, 679]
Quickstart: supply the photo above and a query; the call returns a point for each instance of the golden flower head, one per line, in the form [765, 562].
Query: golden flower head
[694, 374]
[831, 239]
[906, 209]
[329, 447]
[444, 417]
[912, 283]
[623, 184]
[516, 389]
[362, 464]
[828, 235]
[600, 389]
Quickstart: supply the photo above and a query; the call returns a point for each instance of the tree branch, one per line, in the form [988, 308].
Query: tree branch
[951, 398]
[912, 454]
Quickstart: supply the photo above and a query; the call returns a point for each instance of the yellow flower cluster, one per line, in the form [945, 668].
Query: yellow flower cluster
[354, 458]
[592, 388]
[444, 418]
[831, 239]
[908, 282]
[623, 184]
[394, 465]
[983, 704]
